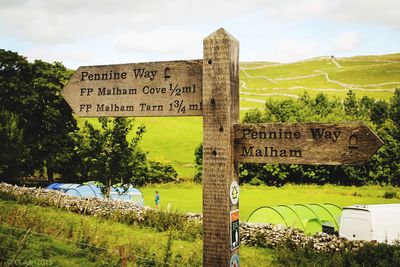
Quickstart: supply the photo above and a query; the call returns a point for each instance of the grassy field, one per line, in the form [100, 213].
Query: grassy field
[170, 140]
[60, 238]
[173, 140]
[187, 197]
[374, 76]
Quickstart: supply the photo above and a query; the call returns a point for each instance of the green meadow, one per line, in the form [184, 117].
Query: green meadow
[174, 139]
[187, 197]
[170, 140]
[59, 238]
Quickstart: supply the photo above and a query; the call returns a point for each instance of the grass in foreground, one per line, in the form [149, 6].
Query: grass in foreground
[58, 238]
[66, 239]
[43, 250]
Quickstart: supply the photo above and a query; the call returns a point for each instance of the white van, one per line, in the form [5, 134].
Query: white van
[379, 223]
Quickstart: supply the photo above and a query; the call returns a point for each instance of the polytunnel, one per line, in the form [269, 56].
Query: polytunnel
[309, 218]
[91, 190]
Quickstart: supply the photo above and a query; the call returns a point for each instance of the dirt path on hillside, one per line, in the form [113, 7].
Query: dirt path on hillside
[334, 61]
[341, 85]
[355, 87]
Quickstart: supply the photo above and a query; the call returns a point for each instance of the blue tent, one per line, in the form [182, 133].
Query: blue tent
[91, 190]
[131, 194]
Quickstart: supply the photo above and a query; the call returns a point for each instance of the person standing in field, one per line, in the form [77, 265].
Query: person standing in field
[157, 199]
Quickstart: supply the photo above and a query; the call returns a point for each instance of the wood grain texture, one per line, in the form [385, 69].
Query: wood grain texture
[170, 88]
[305, 143]
[221, 111]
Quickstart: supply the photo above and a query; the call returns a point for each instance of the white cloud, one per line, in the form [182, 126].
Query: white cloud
[382, 12]
[68, 20]
[100, 30]
[291, 50]
[290, 11]
[347, 41]
[72, 55]
[160, 41]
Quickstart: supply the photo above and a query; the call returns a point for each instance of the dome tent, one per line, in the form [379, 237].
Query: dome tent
[77, 190]
[129, 194]
[92, 189]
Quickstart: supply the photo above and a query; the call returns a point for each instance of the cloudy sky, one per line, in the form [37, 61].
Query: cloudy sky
[90, 32]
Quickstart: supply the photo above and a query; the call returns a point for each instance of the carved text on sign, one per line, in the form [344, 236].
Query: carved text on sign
[172, 88]
[307, 143]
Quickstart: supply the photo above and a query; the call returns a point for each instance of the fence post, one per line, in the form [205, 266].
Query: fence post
[221, 111]
[122, 254]
[21, 244]
[59, 200]
[86, 206]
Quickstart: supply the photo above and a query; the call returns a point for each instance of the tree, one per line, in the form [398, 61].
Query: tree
[12, 149]
[379, 112]
[52, 121]
[395, 107]
[321, 105]
[253, 115]
[198, 161]
[15, 77]
[31, 91]
[160, 173]
[106, 153]
[14, 94]
[351, 104]
[283, 111]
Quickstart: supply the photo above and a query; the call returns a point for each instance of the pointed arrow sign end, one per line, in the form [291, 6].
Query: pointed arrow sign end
[372, 144]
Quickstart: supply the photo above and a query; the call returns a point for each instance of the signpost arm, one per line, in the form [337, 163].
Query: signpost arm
[221, 111]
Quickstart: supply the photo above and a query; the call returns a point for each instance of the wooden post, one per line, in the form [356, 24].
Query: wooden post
[86, 206]
[122, 254]
[221, 111]
[59, 200]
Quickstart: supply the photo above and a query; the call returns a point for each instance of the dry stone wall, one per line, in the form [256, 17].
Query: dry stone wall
[261, 235]
[269, 235]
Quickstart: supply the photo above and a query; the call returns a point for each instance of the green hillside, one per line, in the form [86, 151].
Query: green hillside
[373, 76]
[174, 139]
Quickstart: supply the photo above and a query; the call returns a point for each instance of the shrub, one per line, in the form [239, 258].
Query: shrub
[368, 255]
[390, 194]
[256, 181]
[374, 255]
[198, 154]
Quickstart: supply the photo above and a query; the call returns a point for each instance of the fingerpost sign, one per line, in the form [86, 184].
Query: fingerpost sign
[210, 88]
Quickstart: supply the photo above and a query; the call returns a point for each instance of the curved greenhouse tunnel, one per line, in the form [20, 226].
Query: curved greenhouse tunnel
[306, 217]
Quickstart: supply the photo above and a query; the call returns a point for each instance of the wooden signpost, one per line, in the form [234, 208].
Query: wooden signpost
[210, 88]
